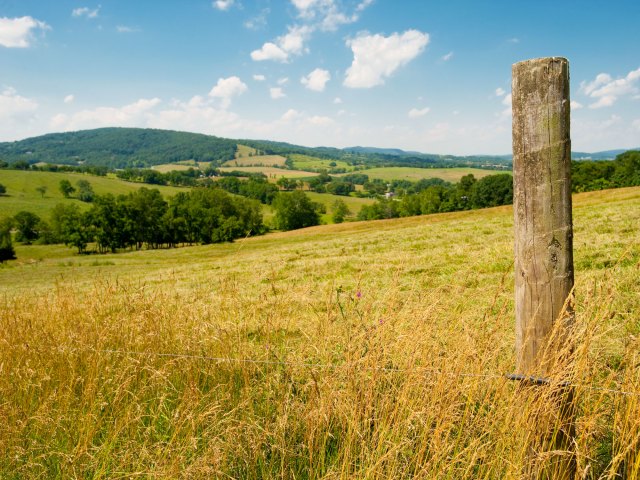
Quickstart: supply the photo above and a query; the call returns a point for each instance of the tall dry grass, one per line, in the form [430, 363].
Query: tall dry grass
[357, 351]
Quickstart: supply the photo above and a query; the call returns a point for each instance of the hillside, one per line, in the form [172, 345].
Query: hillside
[364, 350]
[119, 148]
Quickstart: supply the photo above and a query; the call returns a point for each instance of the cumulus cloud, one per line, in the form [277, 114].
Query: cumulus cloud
[259, 78]
[290, 115]
[131, 115]
[376, 57]
[276, 93]
[259, 21]
[227, 88]
[500, 92]
[316, 80]
[223, 5]
[576, 105]
[14, 106]
[292, 43]
[415, 113]
[337, 100]
[447, 57]
[606, 91]
[85, 12]
[18, 32]
[283, 81]
[69, 99]
[328, 14]
[320, 120]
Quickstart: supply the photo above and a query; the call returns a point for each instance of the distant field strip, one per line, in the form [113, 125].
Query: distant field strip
[271, 172]
[258, 160]
[415, 174]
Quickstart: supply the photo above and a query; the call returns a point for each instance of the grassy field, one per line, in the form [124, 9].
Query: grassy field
[361, 350]
[306, 162]
[22, 194]
[245, 151]
[170, 167]
[415, 174]
[353, 203]
[258, 160]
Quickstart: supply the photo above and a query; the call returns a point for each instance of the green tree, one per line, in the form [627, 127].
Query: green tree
[340, 211]
[42, 189]
[296, 210]
[70, 226]
[85, 191]
[6, 247]
[3, 189]
[26, 225]
[66, 188]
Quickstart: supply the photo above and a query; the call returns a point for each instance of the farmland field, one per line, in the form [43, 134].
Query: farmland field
[304, 162]
[415, 174]
[258, 160]
[360, 350]
[271, 172]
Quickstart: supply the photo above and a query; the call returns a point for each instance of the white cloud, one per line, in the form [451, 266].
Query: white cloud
[636, 124]
[276, 92]
[507, 100]
[259, 21]
[415, 113]
[576, 105]
[133, 114]
[290, 114]
[283, 81]
[85, 12]
[320, 121]
[376, 57]
[327, 14]
[18, 32]
[337, 100]
[292, 43]
[500, 92]
[514, 40]
[69, 99]
[13, 105]
[223, 5]
[259, 78]
[316, 80]
[125, 29]
[607, 90]
[447, 57]
[227, 88]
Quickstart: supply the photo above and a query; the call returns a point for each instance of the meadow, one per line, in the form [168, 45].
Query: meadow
[273, 173]
[307, 162]
[22, 194]
[255, 161]
[359, 350]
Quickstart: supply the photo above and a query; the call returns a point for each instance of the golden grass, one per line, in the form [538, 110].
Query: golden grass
[414, 174]
[380, 348]
[256, 161]
[272, 173]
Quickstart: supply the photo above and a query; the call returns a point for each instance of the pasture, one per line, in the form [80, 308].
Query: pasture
[307, 162]
[22, 194]
[272, 173]
[360, 350]
[256, 161]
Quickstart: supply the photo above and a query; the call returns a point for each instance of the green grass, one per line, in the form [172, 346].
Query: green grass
[22, 194]
[414, 174]
[307, 162]
[353, 203]
[379, 348]
[245, 151]
[170, 167]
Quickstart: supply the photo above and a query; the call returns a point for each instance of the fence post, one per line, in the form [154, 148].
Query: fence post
[544, 238]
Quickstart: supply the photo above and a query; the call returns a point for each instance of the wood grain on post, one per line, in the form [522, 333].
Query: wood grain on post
[542, 209]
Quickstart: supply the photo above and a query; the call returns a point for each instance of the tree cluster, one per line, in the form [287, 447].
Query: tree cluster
[143, 219]
[440, 196]
[624, 171]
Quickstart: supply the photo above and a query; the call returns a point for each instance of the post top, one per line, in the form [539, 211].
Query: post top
[542, 60]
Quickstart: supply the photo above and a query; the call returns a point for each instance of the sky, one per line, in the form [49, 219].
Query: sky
[425, 75]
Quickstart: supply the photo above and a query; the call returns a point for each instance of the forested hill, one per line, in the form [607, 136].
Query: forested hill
[119, 148]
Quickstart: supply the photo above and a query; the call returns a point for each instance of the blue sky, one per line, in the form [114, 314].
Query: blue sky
[432, 76]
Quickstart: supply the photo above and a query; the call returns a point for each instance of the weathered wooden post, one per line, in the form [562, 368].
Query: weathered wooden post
[543, 232]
